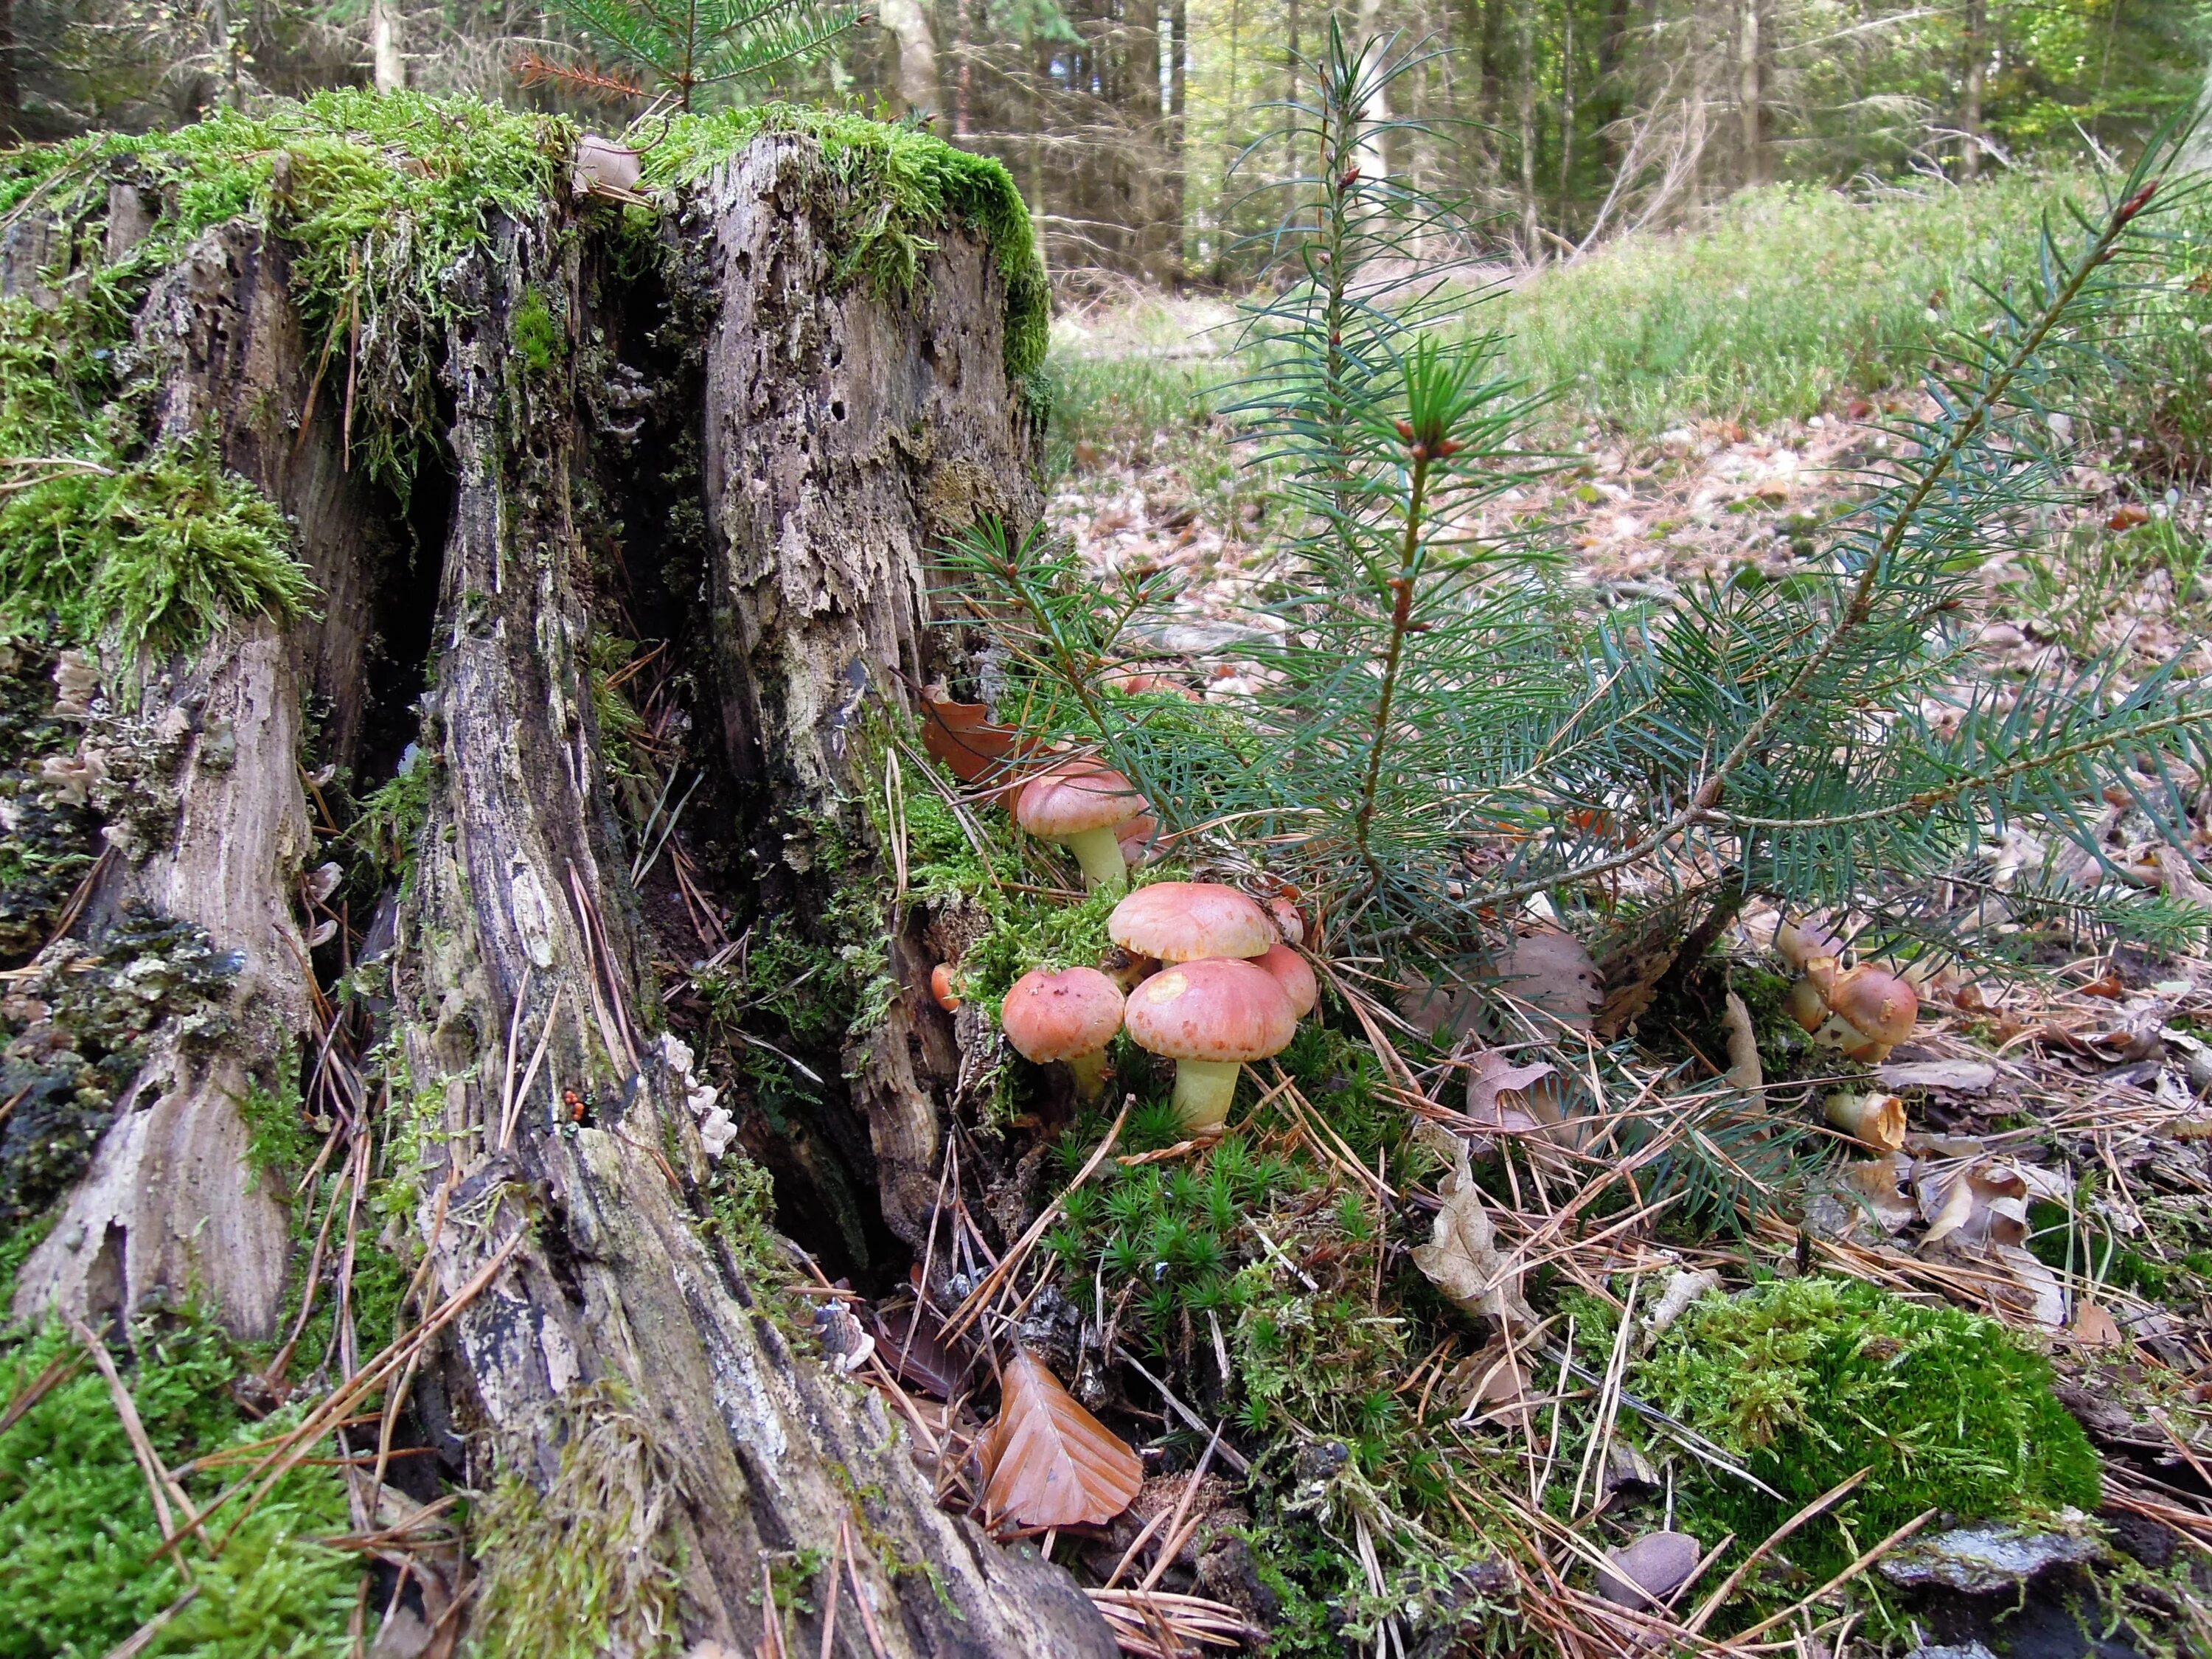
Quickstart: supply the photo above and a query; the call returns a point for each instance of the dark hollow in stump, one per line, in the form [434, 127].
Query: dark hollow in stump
[839, 432]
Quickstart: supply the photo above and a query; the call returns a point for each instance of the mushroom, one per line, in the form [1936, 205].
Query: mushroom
[1865, 1012]
[1874, 1120]
[945, 986]
[1137, 836]
[1190, 921]
[1288, 969]
[1071, 1015]
[1080, 805]
[1210, 1017]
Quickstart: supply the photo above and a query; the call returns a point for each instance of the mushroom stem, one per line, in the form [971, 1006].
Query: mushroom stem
[1090, 1074]
[1204, 1090]
[1100, 856]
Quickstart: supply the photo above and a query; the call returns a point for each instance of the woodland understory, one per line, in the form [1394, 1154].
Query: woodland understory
[514, 666]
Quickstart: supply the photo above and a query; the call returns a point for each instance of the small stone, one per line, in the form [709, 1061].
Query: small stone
[1985, 1560]
[1646, 1572]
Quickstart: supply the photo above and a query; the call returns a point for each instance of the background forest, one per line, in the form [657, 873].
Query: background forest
[1124, 121]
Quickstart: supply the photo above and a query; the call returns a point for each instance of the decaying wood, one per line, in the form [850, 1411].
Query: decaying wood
[218, 832]
[840, 432]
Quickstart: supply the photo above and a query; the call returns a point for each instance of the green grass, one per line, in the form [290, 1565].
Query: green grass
[1795, 300]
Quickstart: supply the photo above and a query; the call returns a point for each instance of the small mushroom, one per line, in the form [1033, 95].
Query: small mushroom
[1288, 969]
[1071, 1015]
[1874, 1120]
[1800, 943]
[945, 986]
[1080, 805]
[1865, 1012]
[1190, 921]
[1137, 836]
[1210, 1018]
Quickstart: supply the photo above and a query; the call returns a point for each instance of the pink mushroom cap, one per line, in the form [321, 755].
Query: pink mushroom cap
[1190, 921]
[1061, 1016]
[1289, 970]
[1222, 1010]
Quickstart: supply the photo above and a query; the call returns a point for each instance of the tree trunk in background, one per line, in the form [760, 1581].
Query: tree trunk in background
[1975, 27]
[1751, 108]
[835, 435]
[391, 66]
[1525, 26]
[11, 88]
[917, 52]
[1175, 139]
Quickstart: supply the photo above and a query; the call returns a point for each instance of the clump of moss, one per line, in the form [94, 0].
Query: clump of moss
[1810, 1380]
[79, 1568]
[896, 185]
[587, 1566]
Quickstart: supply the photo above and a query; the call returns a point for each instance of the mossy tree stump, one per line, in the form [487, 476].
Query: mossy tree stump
[821, 433]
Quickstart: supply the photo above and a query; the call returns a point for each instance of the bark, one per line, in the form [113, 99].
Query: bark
[389, 64]
[1751, 102]
[838, 433]
[170, 1206]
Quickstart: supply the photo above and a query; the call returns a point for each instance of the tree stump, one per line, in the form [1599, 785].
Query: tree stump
[837, 431]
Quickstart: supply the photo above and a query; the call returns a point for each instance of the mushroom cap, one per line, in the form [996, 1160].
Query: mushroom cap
[1804, 940]
[1051, 1017]
[1876, 1003]
[1190, 921]
[1289, 970]
[1222, 1009]
[1074, 798]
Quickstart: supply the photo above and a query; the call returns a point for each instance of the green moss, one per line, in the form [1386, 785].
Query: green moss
[1811, 1380]
[589, 1564]
[536, 336]
[78, 1536]
[895, 188]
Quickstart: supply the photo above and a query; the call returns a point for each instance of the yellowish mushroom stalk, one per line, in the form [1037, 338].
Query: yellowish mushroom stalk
[1874, 1120]
[1205, 1089]
[1099, 852]
[1090, 1074]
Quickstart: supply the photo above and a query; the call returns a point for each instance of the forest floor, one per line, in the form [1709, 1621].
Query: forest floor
[2056, 1162]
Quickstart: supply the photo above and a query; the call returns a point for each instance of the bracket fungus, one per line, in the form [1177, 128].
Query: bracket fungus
[1071, 1015]
[1080, 806]
[1210, 1018]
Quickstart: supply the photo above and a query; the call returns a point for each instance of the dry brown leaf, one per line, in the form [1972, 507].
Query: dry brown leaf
[1551, 972]
[972, 747]
[1462, 1258]
[1047, 1462]
[2092, 1327]
[1744, 1071]
[1490, 1075]
[1877, 1181]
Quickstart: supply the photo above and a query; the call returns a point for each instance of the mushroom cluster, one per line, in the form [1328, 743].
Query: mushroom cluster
[1214, 987]
[1228, 991]
[1865, 1011]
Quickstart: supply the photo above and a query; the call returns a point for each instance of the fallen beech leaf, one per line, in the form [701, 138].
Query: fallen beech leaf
[1962, 1077]
[1047, 1462]
[1462, 1258]
[2092, 1327]
[1550, 970]
[1875, 1181]
[915, 1356]
[1497, 1387]
[1490, 1075]
[972, 749]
